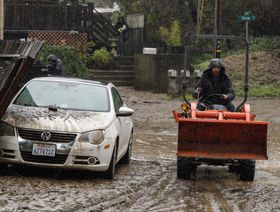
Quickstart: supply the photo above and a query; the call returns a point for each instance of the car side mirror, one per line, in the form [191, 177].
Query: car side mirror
[125, 111]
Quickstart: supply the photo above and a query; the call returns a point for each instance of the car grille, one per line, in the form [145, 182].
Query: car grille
[55, 137]
[58, 159]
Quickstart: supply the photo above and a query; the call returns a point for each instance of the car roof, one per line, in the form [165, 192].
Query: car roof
[75, 80]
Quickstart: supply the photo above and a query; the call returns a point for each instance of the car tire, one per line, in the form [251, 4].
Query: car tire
[185, 167]
[233, 168]
[246, 170]
[110, 173]
[3, 168]
[126, 158]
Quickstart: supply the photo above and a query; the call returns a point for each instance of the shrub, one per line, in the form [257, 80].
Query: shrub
[266, 44]
[102, 58]
[73, 63]
[174, 38]
[171, 37]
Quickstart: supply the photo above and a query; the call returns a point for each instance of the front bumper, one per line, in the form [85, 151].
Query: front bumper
[71, 155]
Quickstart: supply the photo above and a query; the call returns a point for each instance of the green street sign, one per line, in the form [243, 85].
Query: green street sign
[247, 18]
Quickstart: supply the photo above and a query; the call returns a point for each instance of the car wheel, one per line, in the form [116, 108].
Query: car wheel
[246, 169]
[3, 168]
[109, 174]
[233, 168]
[126, 158]
[185, 167]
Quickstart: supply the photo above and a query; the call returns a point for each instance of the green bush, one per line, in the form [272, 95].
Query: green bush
[102, 58]
[266, 44]
[174, 38]
[171, 37]
[73, 63]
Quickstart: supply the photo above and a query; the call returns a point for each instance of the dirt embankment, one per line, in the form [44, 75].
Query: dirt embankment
[264, 67]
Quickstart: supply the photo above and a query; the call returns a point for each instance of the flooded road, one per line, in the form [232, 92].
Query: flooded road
[149, 183]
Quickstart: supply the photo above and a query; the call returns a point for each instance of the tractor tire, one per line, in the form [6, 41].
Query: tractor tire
[185, 168]
[246, 170]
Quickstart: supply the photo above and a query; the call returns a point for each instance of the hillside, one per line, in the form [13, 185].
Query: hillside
[264, 73]
[264, 67]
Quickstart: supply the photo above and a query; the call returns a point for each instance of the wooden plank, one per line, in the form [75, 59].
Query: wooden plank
[14, 70]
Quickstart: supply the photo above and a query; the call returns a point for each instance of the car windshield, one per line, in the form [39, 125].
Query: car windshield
[65, 95]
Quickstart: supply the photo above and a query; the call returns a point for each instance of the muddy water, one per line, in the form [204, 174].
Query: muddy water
[149, 183]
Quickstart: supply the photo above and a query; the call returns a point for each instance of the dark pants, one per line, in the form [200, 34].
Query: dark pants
[230, 107]
[121, 45]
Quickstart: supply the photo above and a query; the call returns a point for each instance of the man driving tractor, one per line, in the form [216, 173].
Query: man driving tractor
[214, 87]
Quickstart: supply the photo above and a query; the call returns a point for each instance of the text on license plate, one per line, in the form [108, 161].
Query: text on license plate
[43, 150]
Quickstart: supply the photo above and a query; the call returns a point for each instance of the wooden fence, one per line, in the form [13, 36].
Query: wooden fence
[22, 16]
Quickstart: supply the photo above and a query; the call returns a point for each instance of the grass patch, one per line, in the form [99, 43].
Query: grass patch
[170, 97]
[266, 43]
[259, 91]
[167, 97]
[264, 90]
[188, 96]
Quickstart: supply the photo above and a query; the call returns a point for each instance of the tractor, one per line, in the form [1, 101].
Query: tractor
[216, 136]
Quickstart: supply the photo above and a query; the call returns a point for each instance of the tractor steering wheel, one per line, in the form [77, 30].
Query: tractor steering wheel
[212, 99]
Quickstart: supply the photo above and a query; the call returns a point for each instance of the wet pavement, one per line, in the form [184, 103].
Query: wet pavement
[149, 183]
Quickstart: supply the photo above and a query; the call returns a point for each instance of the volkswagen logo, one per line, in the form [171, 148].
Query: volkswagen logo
[46, 136]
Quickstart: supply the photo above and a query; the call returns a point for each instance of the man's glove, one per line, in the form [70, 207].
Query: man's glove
[198, 90]
[224, 97]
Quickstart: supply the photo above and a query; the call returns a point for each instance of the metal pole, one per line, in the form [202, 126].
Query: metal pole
[1, 19]
[216, 28]
[247, 30]
[186, 67]
[198, 15]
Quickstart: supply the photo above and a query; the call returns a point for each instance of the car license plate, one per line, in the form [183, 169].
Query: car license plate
[43, 150]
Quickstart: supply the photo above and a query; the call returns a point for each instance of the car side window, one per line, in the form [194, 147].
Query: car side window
[117, 100]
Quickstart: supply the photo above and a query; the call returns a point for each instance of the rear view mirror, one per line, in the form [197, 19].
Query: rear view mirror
[125, 111]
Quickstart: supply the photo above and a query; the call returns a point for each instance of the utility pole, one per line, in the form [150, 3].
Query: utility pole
[198, 15]
[216, 28]
[1, 19]
[220, 17]
[247, 30]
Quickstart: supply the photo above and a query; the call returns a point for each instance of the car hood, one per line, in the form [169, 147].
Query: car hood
[61, 120]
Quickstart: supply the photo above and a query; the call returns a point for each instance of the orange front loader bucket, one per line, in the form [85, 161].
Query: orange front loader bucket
[221, 139]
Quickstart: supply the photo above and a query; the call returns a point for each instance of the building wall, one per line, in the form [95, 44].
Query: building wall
[151, 71]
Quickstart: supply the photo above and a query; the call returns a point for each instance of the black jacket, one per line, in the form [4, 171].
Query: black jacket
[222, 85]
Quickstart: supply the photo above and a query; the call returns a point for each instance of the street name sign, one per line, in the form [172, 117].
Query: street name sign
[247, 18]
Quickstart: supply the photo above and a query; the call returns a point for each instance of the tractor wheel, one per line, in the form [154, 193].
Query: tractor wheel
[246, 170]
[185, 167]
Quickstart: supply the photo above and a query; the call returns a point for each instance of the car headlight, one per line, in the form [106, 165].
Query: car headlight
[6, 129]
[94, 137]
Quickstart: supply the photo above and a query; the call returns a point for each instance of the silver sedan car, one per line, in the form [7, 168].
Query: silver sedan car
[67, 123]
